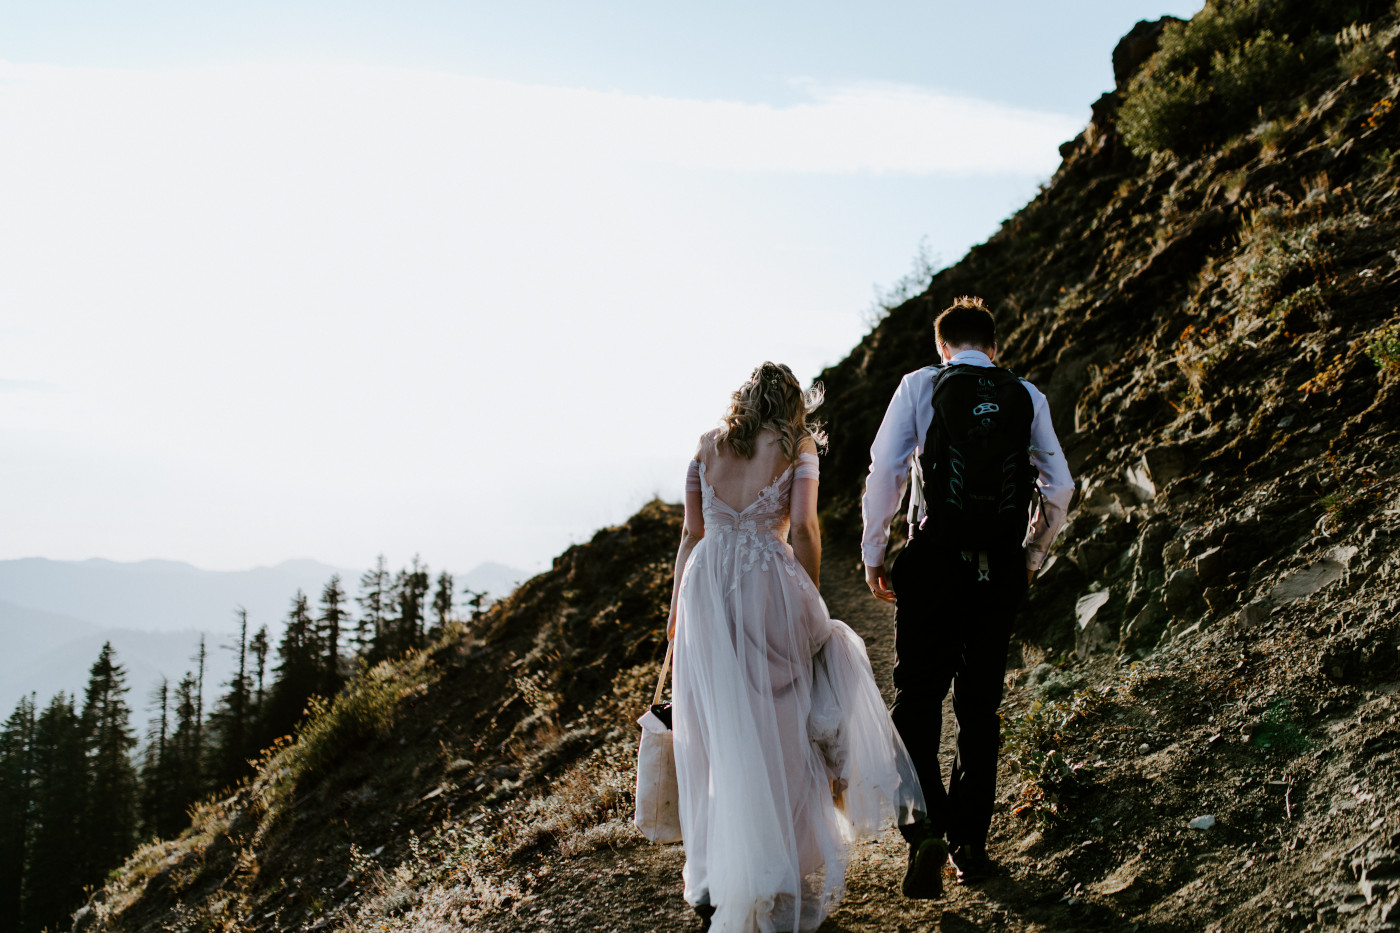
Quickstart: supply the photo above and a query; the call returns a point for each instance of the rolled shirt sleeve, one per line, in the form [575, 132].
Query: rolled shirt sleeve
[1053, 481]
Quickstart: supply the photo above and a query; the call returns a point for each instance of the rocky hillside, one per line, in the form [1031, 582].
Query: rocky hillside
[1201, 720]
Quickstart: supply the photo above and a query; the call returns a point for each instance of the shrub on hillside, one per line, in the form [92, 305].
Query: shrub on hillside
[1212, 76]
[1383, 346]
[366, 710]
[1182, 107]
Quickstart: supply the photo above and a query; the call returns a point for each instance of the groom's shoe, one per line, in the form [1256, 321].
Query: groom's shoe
[923, 879]
[972, 863]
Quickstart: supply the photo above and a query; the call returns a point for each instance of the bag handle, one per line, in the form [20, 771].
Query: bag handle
[665, 669]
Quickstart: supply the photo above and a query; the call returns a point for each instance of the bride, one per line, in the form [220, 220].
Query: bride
[784, 749]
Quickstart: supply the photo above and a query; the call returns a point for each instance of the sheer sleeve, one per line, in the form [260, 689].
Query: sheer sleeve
[694, 502]
[806, 466]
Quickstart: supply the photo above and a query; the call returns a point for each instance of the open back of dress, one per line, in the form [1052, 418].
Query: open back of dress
[775, 705]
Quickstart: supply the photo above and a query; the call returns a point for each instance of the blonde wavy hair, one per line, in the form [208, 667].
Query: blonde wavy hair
[772, 398]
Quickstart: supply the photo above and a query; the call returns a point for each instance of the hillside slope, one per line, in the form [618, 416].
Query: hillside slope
[1201, 720]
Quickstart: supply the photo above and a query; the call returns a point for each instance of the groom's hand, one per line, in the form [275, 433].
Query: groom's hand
[879, 582]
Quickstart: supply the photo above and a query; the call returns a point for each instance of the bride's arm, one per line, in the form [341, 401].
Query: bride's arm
[691, 533]
[806, 533]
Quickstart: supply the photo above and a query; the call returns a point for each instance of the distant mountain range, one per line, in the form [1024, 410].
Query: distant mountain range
[55, 616]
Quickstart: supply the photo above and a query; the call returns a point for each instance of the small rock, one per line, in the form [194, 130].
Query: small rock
[1140, 483]
[1144, 748]
[1203, 822]
[1039, 674]
[1254, 614]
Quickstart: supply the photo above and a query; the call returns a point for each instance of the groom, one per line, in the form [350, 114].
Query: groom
[990, 491]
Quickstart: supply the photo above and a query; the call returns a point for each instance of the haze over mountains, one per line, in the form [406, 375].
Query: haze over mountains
[55, 616]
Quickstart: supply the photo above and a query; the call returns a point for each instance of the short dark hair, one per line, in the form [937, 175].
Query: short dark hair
[967, 322]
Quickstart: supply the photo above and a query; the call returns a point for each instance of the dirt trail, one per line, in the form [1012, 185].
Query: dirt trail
[638, 890]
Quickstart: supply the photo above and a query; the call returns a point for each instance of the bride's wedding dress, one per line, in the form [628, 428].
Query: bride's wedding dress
[784, 748]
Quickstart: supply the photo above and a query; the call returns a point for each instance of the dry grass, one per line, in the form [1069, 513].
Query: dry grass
[590, 807]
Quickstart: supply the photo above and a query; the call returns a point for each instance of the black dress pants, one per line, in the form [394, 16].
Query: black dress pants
[953, 618]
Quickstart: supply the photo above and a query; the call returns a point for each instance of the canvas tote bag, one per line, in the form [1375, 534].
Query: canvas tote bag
[658, 800]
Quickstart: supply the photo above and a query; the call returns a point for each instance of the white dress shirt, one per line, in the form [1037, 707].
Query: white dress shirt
[900, 443]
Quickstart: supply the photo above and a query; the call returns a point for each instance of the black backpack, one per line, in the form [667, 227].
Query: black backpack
[978, 476]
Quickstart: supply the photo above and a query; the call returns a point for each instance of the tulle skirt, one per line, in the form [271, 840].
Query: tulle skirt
[785, 752]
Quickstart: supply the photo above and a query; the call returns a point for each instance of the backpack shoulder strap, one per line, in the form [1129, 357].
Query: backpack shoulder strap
[941, 372]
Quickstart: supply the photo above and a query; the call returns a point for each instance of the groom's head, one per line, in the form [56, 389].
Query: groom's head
[966, 325]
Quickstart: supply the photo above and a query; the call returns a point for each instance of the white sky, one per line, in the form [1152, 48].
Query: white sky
[305, 280]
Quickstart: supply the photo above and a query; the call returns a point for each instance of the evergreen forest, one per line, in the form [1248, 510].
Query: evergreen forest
[81, 784]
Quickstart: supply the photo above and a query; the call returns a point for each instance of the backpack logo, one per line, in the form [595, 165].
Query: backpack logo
[986, 408]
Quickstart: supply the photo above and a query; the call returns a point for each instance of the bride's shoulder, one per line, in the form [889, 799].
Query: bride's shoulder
[708, 445]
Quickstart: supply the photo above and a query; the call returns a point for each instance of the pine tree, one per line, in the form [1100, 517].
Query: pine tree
[374, 612]
[260, 647]
[230, 723]
[297, 668]
[442, 603]
[410, 590]
[161, 812]
[199, 661]
[53, 881]
[186, 752]
[476, 599]
[16, 805]
[330, 624]
[109, 817]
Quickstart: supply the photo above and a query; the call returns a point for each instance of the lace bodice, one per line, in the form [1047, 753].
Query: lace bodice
[758, 532]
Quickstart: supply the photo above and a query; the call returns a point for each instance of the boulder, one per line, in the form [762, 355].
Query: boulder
[1107, 497]
[1145, 629]
[1164, 464]
[1309, 579]
[1182, 593]
[1145, 585]
[1091, 556]
[1220, 599]
[1213, 566]
[1094, 630]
